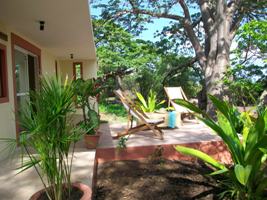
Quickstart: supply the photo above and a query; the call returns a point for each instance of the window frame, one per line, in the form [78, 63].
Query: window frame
[74, 69]
[3, 69]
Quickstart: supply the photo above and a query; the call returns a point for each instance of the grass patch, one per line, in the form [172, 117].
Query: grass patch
[113, 113]
[115, 109]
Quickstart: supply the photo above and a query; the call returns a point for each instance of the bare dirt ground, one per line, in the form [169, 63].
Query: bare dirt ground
[152, 180]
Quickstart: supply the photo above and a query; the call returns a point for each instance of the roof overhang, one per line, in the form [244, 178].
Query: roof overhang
[67, 29]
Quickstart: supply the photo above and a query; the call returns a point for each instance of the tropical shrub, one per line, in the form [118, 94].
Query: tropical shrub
[246, 177]
[47, 136]
[86, 92]
[151, 104]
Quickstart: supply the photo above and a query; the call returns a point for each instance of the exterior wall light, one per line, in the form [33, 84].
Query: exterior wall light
[42, 23]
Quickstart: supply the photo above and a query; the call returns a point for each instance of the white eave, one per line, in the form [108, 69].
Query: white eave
[67, 30]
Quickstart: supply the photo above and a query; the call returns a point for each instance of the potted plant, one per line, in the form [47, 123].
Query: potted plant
[48, 140]
[87, 92]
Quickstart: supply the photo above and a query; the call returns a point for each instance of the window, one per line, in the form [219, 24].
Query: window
[77, 70]
[3, 75]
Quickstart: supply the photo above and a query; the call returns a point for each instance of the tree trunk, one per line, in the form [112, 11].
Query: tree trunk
[214, 83]
[118, 82]
[202, 97]
[217, 56]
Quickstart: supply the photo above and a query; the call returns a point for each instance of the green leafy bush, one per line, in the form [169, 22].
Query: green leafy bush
[47, 136]
[86, 92]
[246, 178]
[151, 104]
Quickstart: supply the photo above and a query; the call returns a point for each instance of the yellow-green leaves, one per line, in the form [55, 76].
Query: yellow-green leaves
[151, 104]
[248, 153]
[205, 157]
[242, 173]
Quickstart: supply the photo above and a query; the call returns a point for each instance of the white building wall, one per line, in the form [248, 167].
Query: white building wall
[7, 110]
[7, 117]
[89, 68]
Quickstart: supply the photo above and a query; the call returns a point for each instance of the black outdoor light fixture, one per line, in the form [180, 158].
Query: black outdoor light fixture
[42, 23]
[71, 56]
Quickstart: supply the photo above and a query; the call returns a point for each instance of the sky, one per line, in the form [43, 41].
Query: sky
[158, 25]
[151, 27]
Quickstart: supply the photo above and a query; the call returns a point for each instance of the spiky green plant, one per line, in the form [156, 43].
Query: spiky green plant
[151, 104]
[48, 134]
[246, 178]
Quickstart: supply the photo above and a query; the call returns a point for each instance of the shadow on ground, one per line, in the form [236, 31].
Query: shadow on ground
[164, 180]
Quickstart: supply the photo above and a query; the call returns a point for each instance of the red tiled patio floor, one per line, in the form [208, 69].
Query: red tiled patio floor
[143, 144]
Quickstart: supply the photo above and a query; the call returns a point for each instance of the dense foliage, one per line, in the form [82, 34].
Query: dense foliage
[247, 77]
[246, 178]
[184, 56]
[203, 31]
[138, 65]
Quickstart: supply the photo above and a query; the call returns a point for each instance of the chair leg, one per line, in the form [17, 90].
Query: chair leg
[131, 130]
[156, 130]
[160, 132]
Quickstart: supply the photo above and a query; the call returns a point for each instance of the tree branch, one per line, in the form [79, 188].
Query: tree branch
[185, 9]
[157, 15]
[179, 67]
[119, 72]
[206, 17]
[136, 10]
[195, 23]
[192, 36]
[235, 25]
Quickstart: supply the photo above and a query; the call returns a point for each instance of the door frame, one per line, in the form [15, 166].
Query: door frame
[24, 44]
[74, 69]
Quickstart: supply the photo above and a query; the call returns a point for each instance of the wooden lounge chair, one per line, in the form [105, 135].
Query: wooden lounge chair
[134, 112]
[174, 93]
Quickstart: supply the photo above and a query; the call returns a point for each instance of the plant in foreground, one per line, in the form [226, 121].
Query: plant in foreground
[246, 178]
[151, 104]
[47, 136]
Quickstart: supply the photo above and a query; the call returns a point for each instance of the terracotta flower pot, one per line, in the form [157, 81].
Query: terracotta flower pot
[87, 192]
[91, 141]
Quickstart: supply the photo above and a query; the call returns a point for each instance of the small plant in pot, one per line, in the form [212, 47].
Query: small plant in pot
[48, 140]
[86, 92]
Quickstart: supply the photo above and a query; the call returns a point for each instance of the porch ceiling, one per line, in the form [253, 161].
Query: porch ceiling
[67, 25]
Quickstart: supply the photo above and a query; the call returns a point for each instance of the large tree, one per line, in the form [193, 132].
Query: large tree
[134, 64]
[209, 25]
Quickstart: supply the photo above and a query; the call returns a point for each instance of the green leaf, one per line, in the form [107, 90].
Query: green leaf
[221, 171]
[196, 153]
[233, 146]
[263, 150]
[28, 164]
[162, 102]
[220, 105]
[242, 173]
[141, 99]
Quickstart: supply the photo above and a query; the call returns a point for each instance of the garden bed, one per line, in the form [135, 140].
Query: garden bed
[164, 180]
